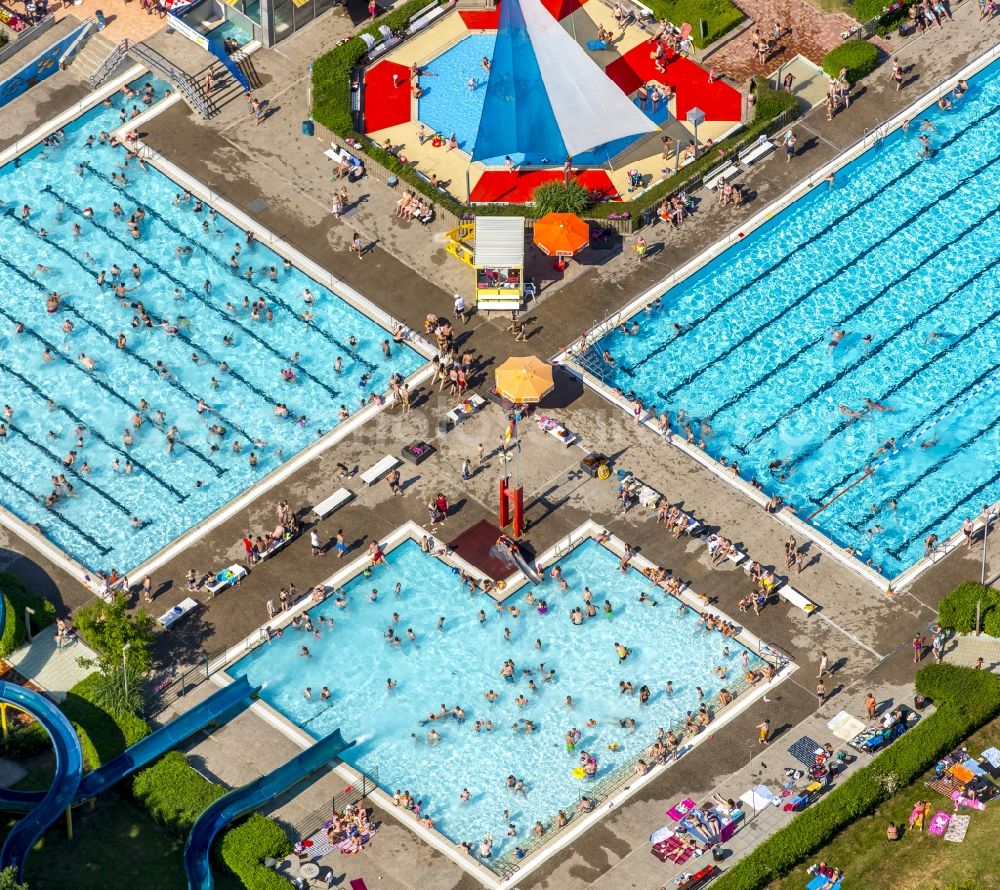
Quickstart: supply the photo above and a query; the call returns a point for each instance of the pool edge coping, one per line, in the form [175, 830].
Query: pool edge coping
[567, 356]
[588, 530]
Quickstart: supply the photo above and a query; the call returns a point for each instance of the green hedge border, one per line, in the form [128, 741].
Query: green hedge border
[965, 700]
[16, 597]
[957, 611]
[175, 795]
[331, 108]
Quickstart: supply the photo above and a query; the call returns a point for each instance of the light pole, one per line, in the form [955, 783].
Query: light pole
[125, 649]
[695, 116]
[28, 612]
[987, 515]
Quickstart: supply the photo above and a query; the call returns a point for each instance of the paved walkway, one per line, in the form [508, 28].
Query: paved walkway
[54, 669]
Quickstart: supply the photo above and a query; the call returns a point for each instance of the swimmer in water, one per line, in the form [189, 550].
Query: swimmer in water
[849, 412]
[836, 338]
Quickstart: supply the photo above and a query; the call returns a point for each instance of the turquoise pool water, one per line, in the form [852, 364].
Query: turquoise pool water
[901, 255]
[458, 664]
[195, 290]
[449, 106]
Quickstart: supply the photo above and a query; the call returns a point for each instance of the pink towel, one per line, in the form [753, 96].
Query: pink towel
[359, 884]
[938, 823]
[679, 810]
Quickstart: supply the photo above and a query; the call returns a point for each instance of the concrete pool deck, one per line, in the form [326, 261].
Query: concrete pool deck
[409, 275]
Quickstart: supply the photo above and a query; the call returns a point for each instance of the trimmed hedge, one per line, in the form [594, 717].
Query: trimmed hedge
[174, 793]
[965, 700]
[957, 611]
[245, 847]
[859, 57]
[102, 735]
[16, 598]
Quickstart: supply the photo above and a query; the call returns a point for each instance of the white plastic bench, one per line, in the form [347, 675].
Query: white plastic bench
[796, 599]
[339, 154]
[559, 432]
[720, 176]
[226, 578]
[277, 547]
[761, 148]
[736, 557]
[333, 503]
[424, 20]
[169, 618]
[373, 474]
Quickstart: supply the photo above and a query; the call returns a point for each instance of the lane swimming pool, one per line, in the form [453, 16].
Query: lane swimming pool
[899, 255]
[456, 665]
[272, 354]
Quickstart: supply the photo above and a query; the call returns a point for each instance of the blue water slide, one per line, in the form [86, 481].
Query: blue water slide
[219, 705]
[69, 770]
[241, 800]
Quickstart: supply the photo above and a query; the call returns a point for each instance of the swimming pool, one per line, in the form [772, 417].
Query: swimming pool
[184, 279]
[457, 665]
[900, 254]
[449, 106]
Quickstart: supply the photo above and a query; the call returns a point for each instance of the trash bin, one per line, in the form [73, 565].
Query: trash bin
[99, 17]
[308, 128]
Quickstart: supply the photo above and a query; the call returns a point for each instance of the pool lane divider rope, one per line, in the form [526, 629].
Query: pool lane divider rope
[904, 224]
[350, 350]
[850, 369]
[90, 539]
[79, 421]
[878, 295]
[93, 377]
[185, 289]
[827, 229]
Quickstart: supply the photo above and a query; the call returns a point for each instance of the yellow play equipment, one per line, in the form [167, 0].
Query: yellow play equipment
[457, 244]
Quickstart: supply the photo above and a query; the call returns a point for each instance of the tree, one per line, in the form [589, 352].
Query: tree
[111, 692]
[9, 881]
[109, 627]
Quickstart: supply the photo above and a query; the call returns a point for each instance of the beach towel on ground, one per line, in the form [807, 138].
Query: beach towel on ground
[661, 834]
[679, 810]
[961, 773]
[759, 798]
[320, 844]
[820, 881]
[957, 828]
[945, 785]
[992, 757]
[970, 802]
[358, 884]
[804, 751]
[938, 823]
[974, 767]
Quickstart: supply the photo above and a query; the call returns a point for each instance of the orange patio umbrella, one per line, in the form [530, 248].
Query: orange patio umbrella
[524, 381]
[561, 234]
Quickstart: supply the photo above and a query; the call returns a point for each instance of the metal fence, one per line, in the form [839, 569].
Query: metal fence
[169, 690]
[352, 794]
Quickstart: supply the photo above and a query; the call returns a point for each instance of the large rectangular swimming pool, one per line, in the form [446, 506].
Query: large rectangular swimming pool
[852, 337]
[236, 356]
[456, 664]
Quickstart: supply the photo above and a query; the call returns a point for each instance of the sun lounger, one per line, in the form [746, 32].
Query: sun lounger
[373, 474]
[333, 503]
[470, 406]
[226, 578]
[648, 497]
[556, 429]
[169, 618]
[791, 595]
[720, 176]
[761, 148]
[694, 526]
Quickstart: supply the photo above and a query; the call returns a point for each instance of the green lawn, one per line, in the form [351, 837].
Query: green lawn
[918, 861]
[115, 845]
[720, 15]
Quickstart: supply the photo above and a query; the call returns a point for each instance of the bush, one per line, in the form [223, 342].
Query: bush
[965, 699]
[24, 740]
[16, 598]
[174, 793]
[957, 611]
[102, 735]
[8, 877]
[556, 197]
[245, 847]
[859, 57]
